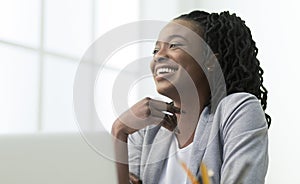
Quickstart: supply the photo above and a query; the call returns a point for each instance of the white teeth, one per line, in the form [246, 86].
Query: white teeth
[165, 70]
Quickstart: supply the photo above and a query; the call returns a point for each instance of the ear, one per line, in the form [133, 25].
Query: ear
[211, 62]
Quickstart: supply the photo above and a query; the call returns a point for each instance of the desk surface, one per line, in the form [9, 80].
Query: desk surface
[52, 158]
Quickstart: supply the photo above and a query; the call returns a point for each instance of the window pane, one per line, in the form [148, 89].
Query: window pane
[68, 26]
[105, 108]
[20, 21]
[58, 113]
[122, 57]
[103, 96]
[113, 13]
[160, 10]
[19, 80]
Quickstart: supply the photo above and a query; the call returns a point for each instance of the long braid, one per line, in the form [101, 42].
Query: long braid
[229, 37]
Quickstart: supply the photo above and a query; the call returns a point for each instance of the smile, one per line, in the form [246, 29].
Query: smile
[165, 70]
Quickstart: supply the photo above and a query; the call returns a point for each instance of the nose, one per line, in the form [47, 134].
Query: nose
[161, 55]
[160, 59]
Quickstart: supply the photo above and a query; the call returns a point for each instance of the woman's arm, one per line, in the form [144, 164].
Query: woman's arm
[145, 112]
[245, 138]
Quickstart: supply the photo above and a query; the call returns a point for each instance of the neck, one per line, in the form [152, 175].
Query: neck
[188, 118]
[191, 103]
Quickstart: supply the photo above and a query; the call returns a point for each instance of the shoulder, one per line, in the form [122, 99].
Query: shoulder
[240, 112]
[236, 99]
[243, 135]
[239, 103]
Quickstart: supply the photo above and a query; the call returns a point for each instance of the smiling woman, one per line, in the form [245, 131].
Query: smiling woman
[226, 131]
[172, 52]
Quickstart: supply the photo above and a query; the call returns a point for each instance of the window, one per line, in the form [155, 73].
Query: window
[41, 43]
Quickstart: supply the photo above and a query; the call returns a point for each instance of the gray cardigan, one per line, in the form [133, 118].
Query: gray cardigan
[232, 142]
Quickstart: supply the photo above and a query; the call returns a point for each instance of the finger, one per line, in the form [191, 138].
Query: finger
[166, 120]
[163, 106]
[175, 129]
[157, 114]
[170, 122]
[157, 104]
[172, 108]
[134, 179]
[173, 118]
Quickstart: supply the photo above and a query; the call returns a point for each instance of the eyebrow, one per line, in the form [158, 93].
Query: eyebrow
[172, 37]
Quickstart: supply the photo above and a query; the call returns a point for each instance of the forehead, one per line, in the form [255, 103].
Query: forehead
[192, 41]
[179, 29]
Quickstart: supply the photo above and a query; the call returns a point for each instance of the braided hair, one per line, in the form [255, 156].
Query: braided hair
[227, 35]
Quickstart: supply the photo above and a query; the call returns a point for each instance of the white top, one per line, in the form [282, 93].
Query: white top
[172, 171]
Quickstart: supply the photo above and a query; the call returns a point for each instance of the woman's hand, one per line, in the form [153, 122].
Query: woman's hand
[145, 112]
[134, 179]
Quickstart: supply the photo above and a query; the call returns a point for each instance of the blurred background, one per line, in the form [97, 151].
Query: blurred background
[42, 42]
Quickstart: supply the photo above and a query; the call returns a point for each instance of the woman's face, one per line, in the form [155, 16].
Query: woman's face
[172, 65]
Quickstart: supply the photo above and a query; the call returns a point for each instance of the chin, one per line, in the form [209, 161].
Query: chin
[167, 90]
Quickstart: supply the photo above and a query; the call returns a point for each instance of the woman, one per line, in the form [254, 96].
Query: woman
[225, 131]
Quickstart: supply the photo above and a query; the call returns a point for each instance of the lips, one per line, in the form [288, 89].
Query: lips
[165, 70]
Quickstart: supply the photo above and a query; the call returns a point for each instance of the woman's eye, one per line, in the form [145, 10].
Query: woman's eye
[174, 45]
[155, 51]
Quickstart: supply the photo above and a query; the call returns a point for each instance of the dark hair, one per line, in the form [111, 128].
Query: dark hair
[227, 35]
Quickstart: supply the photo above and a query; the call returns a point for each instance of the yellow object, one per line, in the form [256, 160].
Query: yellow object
[204, 174]
[194, 180]
[190, 175]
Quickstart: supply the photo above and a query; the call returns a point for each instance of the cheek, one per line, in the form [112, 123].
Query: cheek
[189, 64]
[195, 71]
[152, 66]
